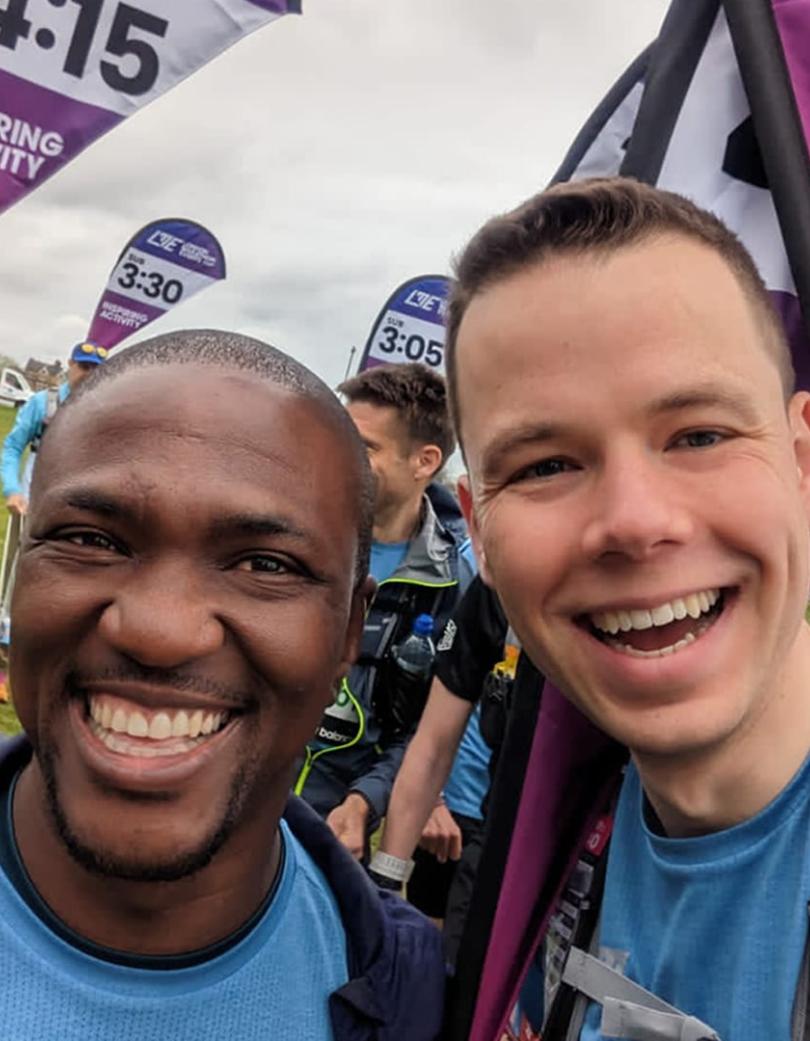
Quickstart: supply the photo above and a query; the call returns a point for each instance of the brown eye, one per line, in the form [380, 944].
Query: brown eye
[91, 539]
[263, 565]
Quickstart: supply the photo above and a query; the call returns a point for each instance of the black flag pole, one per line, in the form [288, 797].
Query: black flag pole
[672, 66]
[778, 129]
[502, 813]
[349, 362]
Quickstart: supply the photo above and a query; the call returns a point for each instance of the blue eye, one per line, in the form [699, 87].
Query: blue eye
[545, 469]
[699, 439]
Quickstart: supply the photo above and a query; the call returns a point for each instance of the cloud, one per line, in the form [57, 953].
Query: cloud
[334, 155]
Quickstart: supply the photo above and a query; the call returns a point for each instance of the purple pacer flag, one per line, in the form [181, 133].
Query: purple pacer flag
[410, 327]
[162, 264]
[70, 70]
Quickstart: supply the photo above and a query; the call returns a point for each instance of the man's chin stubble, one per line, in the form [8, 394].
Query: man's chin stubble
[108, 864]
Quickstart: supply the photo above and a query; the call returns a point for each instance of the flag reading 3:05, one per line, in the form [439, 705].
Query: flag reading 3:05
[130, 63]
[410, 327]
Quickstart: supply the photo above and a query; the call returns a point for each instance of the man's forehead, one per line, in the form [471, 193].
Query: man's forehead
[198, 400]
[232, 420]
[670, 292]
[385, 421]
[189, 382]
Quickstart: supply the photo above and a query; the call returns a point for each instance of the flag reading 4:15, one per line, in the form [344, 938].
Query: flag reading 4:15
[131, 63]
[70, 70]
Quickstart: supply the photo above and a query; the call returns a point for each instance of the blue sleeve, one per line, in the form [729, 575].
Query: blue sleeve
[375, 786]
[467, 566]
[25, 429]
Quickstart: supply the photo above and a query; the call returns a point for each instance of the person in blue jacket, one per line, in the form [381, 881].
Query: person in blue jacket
[33, 418]
[351, 761]
[191, 588]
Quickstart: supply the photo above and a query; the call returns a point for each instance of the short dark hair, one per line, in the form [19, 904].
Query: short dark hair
[227, 350]
[599, 215]
[419, 395]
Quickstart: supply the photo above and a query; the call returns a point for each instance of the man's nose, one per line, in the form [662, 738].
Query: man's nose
[162, 617]
[637, 510]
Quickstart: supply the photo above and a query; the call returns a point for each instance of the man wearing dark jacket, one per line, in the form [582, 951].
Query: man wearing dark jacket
[350, 765]
[186, 603]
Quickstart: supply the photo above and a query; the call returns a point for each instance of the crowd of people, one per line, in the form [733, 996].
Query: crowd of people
[232, 773]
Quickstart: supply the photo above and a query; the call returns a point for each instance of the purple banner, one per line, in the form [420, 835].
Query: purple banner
[162, 264]
[279, 6]
[71, 72]
[410, 327]
[183, 242]
[117, 317]
[40, 131]
[793, 22]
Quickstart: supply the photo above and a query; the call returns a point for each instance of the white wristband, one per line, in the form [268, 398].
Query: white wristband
[395, 868]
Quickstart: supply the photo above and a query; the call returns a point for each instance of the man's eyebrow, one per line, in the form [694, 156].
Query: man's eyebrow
[257, 524]
[706, 395]
[514, 438]
[92, 501]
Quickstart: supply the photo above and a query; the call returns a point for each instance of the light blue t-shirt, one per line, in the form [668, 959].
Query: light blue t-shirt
[715, 925]
[468, 782]
[27, 427]
[275, 983]
[469, 778]
[386, 558]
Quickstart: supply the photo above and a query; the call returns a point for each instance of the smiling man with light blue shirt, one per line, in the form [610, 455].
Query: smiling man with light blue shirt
[639, 496]
[176, 640]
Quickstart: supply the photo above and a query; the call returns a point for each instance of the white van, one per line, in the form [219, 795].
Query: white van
[14, 388]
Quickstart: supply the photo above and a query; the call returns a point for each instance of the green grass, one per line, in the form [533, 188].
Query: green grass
[9, 724]
[7, 417]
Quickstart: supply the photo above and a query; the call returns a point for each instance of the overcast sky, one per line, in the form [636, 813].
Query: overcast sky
[333, 154]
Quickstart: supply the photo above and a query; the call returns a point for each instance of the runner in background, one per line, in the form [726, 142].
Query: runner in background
[30, 425]
[438, 804]
[32, 421]
[349, 767]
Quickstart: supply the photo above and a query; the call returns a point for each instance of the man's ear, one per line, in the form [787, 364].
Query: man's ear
[799, 419]
[361, 601]
[428, 460]
[465, 498]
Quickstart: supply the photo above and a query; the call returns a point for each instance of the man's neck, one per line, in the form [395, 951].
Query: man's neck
[148, 918]
[720, 786]
[398, 522]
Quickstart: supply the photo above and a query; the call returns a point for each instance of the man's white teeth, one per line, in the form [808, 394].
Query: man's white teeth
[160, 727]
[123, 744]
[692, 606]
[662, 652]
